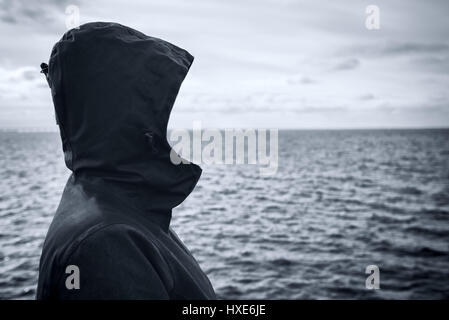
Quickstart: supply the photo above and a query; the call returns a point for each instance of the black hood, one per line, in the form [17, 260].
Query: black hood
[113, 90]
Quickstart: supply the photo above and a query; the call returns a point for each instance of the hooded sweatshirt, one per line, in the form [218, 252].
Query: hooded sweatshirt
[113, 89]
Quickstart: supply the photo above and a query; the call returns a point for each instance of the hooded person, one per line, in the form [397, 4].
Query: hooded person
[113, 89]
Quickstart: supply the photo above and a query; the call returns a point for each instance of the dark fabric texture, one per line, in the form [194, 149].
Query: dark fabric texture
[113, 89]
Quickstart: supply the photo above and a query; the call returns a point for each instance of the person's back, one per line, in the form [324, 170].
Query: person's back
[113, 89]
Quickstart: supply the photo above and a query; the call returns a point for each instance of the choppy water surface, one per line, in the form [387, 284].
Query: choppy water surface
[341, 200]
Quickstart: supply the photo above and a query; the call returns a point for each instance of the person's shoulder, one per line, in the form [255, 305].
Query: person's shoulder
[115, 236]
[71, 239]
[80, 214]
[113, 261]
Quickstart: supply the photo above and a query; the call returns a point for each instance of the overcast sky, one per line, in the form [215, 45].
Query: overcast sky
[258, 63]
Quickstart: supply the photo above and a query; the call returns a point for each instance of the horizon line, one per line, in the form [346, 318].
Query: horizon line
[56, 130]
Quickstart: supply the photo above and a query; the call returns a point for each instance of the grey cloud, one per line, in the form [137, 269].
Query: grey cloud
[300, 80]
[7, 18]
[318, 109]
[387, 49]
[409, 47]
[256, 102]
[439, 64]
[367, 97]
[23, 74]
[347, 64]
[31, 74]
[19, 11]
[417, 108]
